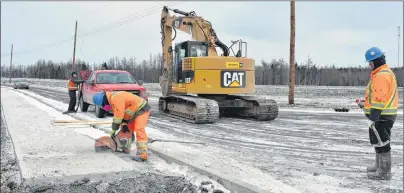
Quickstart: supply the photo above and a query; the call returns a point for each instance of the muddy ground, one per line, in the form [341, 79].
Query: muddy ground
[11, 181]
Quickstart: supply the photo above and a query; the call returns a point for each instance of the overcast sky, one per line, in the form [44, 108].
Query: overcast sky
[329, 32]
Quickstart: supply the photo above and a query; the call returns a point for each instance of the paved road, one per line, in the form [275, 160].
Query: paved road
[328, 150]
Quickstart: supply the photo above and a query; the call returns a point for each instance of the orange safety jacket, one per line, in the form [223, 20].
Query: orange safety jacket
[124, 105]
[71, 85]
[381, 91]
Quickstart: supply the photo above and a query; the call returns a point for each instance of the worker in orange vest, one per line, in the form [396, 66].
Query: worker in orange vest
[380, 107]
[104, 66]
[131, 113]
[72, 87]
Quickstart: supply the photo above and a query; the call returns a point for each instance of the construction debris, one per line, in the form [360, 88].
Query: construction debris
[341, 109]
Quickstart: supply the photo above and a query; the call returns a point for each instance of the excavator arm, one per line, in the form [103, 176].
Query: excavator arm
[200, 30]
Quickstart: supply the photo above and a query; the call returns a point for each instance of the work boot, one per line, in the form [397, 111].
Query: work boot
[69, 111]
[383, 172]
[138, 159]
[373, 168]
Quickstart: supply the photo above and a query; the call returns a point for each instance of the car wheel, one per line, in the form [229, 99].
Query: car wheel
[83, 105]
[99, 112]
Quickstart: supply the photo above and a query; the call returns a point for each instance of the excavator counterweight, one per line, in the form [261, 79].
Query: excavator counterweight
[197, 84]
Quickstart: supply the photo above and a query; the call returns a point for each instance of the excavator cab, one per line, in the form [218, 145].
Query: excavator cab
[187, 49]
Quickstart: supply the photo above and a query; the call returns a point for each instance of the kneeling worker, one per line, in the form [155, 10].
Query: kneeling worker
[131, 112]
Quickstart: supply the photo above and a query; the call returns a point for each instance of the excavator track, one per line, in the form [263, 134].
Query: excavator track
[261, 109]
[189, 108]
[264, 109]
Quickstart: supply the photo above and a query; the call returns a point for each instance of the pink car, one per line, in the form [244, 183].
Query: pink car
[108, 80]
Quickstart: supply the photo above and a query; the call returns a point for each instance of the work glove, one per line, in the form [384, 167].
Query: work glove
[371, 123]
[112, 133]
[115, 128]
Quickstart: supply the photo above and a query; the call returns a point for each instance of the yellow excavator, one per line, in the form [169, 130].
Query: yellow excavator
[197, 85]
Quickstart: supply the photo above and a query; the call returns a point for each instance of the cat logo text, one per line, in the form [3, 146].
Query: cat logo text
[232, 79]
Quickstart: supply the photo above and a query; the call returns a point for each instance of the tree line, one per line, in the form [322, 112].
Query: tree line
[274, 72]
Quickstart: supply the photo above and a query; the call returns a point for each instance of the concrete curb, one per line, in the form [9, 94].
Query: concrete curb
[3, 117]
[228, 184]
[237, 187]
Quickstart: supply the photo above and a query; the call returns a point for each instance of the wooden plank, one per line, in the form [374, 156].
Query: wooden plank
[80, 122]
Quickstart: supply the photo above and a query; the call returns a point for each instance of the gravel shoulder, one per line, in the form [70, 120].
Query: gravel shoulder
[10, 170]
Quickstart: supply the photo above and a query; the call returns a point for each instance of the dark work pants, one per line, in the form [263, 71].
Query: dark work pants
[383, 132]
[72, 103]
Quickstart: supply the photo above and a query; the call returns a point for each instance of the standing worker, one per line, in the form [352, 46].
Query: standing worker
[131, 112]
[380, 107]
[72, 86]
[104, 66]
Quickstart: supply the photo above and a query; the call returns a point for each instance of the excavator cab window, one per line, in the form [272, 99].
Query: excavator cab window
[188, 49]
[180, 53]
[198, 50]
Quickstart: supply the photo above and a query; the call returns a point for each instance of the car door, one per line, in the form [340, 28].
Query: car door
[87, 89]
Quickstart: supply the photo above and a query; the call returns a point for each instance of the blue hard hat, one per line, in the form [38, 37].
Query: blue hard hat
[373, 53]
[98, 98]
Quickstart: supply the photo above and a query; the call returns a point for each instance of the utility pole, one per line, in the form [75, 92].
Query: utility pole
[292, 54]
[398, 47]
[11, 61]
[74, 49]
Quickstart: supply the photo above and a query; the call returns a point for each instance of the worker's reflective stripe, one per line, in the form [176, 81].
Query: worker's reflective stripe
[117, 120]
[377, 105]
[390, 101]
[129, 112]
[142, 104]
[71, 85]
[385, 107]
[370, 92]
[392, 111]
[141, 147]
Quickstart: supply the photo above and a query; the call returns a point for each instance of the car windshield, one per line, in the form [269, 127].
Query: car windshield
[115, 78]
[21, 80]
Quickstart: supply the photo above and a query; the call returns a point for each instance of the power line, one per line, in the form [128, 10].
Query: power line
[117, 23]
[43, 47]
[124, 21]
[120, 20]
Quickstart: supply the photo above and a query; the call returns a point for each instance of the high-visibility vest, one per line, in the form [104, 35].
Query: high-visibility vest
[381, 91]
[71, 85]
[126, 106]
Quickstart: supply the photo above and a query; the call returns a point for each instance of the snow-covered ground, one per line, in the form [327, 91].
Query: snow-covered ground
[45, 151]
[305, 96]
[308, 150]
